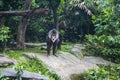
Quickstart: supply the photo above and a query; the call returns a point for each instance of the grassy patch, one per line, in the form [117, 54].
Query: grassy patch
[36, 49]
[35, 65]
[66, 47]
[14, 53]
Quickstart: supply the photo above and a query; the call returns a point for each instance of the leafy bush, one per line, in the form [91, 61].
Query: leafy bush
[16, 54]
[4, 35]
[3, 77]
[106, 41]
[103, 40]
[104, 73]
[105, 46]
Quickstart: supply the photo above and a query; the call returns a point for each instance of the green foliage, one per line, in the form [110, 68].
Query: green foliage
[38, 28]
[11, 5]
[103, 40]
[104, 73]
[97, 75]
[3, 77]
[34, 4]
[107, 20]
[77, 24]
[78, 21]
[4, 37]
[16, 54]
[60, 8]
[65, 48]
[106, 41]
[37, 49]
[40, 3]
[4, 33]
[19, 73]
[35, 65]
[105, 46]
[54, 4]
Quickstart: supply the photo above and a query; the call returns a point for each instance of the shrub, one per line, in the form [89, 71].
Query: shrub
[104, 73]
[105, 46]
[4, 36]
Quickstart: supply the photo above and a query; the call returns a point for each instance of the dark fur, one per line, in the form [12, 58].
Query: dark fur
[52, 44]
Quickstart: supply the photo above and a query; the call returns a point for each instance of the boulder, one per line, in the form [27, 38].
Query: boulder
[77, 49]
[6, 61]
[11, 73]
[65, 64]
[97, 60]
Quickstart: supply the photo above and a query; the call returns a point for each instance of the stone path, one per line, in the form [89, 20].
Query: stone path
[65, 64]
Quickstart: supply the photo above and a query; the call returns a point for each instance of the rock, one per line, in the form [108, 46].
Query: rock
[11, 73]
[35, 44]
[43, 47]
[77, 49]
[97, 60]
[6, 61]
[65, 64]
[77, 77]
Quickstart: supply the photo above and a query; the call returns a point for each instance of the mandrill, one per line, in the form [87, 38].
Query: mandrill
[52, 41]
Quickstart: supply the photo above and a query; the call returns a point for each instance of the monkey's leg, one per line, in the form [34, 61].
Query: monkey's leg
[59, 42]
[48, 48]
[55, 49]
[59, 45]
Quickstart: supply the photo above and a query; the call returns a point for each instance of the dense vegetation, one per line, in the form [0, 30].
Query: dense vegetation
[106, 41]
[95, 23]
[104, 73]
[39, 25]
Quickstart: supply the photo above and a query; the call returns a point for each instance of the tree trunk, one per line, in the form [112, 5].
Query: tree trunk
[1, 21]
[22, 27]
[55, 18]
[54, 9]
[2, 46]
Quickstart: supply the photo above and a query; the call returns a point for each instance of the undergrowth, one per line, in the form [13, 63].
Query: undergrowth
[14, 53]
[103, 73]
[37, 66]
[31, 64]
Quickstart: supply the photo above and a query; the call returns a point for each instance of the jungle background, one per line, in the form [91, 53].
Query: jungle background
[94, 23]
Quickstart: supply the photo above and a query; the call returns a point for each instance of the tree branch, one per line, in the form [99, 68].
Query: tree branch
[38, 11]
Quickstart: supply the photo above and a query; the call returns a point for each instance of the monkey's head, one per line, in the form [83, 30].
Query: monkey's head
[53, 35]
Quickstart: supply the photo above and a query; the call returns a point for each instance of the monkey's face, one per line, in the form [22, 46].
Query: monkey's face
[53, 37]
